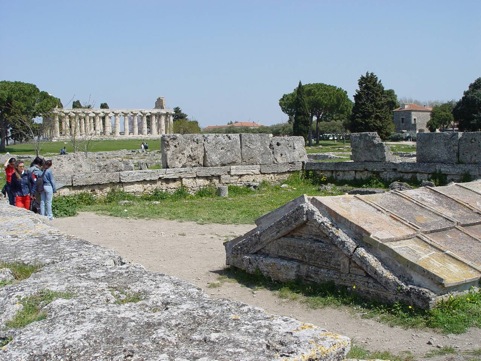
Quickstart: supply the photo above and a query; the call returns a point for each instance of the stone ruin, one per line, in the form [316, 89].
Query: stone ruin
[109, 309]
[415, 246]
[368, 147]
[217, 150]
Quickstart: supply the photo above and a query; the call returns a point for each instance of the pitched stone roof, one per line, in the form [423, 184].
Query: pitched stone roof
[413, 246]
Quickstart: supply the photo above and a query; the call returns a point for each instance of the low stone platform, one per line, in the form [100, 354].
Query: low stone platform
[415, 246]
[112, 310]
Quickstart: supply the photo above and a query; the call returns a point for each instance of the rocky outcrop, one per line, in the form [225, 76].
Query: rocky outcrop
[106, 309]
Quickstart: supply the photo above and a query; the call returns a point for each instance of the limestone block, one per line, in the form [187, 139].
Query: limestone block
[212, 171]
[368, 147]
[179, 173]
[288, 149]
[82, 179]
[180, 151]
[197, 183]
[295, 166]
[274, 168]
[470, 148]
[255, 149]
[226, 179]
[222, 149]
[142, 175]
[437, 147]
[136, 188]
[245, 169]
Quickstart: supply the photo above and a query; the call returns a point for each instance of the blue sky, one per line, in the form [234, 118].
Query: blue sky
[232, 60]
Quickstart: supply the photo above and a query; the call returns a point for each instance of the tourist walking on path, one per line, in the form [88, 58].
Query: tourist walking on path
[22, 185]
[49, 188]
[9, 167]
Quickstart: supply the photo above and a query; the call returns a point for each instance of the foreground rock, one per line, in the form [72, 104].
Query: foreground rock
[109, 310]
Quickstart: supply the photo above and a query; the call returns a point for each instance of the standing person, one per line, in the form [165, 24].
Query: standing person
[49, 188]
[142, 147]
[9, 167]
[22, 185]
[36, 170]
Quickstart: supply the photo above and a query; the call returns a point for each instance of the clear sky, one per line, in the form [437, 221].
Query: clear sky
[232, 60]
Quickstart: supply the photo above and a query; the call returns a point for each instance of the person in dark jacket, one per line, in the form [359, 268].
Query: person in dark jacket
[22, 186]
[36, 170]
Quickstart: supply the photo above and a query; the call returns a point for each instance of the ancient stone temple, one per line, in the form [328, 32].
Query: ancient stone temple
[112, 122]
[415, 246]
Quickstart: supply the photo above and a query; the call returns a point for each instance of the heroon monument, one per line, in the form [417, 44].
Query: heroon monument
[112, 122]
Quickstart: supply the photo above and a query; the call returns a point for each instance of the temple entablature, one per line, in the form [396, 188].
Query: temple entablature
[111, 122]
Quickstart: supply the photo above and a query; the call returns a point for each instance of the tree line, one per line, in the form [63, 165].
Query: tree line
[312, 109]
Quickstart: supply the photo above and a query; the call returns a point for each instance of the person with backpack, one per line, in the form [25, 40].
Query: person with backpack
[9, 167]
[36, 170]
[22, 186]
[49, 188]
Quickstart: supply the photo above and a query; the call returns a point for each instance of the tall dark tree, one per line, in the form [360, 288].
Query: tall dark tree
[104, 106]
[371, 111]
[178, 114]
[20, 104]
[467, 111]
[302, 119]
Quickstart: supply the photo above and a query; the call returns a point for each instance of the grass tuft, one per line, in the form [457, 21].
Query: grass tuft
[33, 308]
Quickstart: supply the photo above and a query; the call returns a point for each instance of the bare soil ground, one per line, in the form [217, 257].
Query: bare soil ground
[195, 253]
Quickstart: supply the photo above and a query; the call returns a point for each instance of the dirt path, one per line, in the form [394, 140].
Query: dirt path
[196, 254]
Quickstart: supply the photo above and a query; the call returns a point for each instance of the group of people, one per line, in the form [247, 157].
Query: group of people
[31, 188]
[144, 147]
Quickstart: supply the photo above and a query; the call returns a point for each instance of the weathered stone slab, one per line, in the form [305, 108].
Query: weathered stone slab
[368, 147]
[222, 149]
[166, 318]
[212, 171]
[245, 169]
[142, 175]
[83, 179]
[180, 173]
[437, 147]
[288, 149]
[274, 168]
[470, 148]
[179, 151]
[255, 149]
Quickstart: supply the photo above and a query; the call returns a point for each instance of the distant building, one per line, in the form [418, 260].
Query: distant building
[235, 125]
[411, 118]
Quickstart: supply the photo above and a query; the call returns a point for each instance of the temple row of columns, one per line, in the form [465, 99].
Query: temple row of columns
[88, 122]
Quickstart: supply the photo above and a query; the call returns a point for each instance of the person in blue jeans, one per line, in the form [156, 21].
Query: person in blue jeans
[49, 189]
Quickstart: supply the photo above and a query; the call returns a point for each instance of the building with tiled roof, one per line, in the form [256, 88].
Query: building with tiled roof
[411, 118]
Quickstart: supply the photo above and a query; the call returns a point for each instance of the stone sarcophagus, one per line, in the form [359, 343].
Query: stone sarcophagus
[414, 246]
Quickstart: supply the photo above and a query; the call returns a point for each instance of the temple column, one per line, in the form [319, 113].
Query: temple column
[82, 124]
[117, 125]
[75, 126]
[153, 124]
[91, 125]
[144, 124]
[67, 125]
[162, 124]
[107, 124]
[126, 124]
[135, 119]
[56, 126]
[97, 124]
[170, 118]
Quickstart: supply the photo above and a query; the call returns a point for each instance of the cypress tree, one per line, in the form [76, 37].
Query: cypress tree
[302, 119]
[371, 111]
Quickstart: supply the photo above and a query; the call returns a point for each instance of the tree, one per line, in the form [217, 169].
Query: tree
[371, 111]
[441, 116]
[185, 126]
[302, 122]
[467, 111]
[178, 114]
[324, 103]
[20, 104]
